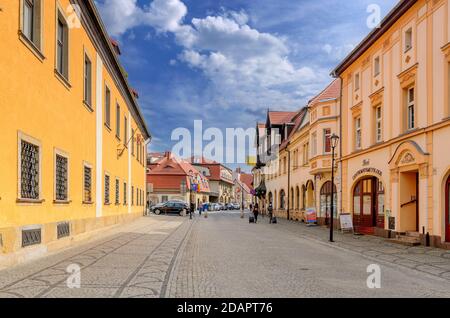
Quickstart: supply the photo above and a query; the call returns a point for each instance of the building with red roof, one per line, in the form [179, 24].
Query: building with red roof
[172, 178]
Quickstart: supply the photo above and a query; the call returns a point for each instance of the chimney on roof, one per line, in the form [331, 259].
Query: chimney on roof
[167, 154]
[116, 46]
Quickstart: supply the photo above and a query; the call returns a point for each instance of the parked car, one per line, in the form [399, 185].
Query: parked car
[171, 207]
[236, 206]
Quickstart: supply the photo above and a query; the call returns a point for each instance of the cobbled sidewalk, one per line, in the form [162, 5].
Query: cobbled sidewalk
[429, 260]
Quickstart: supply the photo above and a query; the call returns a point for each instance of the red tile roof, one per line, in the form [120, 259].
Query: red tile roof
[297, 122]
[280, 118]
[332, 91]
[247, 179]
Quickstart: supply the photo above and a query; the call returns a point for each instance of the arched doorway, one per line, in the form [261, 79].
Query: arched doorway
[368, 203]
[270, 198]
[447, 210]
[297, 198]
[310, 202]
[325, 200]
[282, 200]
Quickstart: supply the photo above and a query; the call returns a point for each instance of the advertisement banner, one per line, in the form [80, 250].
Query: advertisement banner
[311, 216]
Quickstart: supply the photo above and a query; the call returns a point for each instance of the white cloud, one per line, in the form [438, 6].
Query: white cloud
[246, 67]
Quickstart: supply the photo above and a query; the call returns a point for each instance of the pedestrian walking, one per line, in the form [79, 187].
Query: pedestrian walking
[256, 211]
[270, 210]
[191, 210]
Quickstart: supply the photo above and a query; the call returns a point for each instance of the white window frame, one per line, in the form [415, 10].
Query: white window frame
[358, 133]
[410, 105]
[22, 136]
[59, 152]
[378, 124]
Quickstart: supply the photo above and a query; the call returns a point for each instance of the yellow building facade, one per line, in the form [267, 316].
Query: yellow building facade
[74, 139]
[396, 125]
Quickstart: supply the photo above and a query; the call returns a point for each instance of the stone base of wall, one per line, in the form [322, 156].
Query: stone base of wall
[383, 233]
[12, 253]
[435, 241]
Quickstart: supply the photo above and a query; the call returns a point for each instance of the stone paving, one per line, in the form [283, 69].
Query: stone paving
[225, 256]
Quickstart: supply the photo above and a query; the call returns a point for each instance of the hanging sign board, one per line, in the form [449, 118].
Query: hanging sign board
[346, 222]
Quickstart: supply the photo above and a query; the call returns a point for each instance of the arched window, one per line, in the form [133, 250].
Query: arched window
[282, 200]
[303, 197]
[291, 201]
[297, 198]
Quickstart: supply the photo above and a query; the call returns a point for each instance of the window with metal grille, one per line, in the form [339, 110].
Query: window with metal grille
[87, 184]
[61, 169]
[31, 237]
[117, 191]
[106, 189]
[63, 230]
[124, 193]
[29, 164]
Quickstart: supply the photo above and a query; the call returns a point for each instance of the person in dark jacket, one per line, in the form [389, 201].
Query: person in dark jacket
[256, 211]
[270, 210]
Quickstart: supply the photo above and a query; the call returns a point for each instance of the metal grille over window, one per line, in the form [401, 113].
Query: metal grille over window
[117, 191]
[29, 171]
[87, 184]
[31, 237]
[61, 178]
[63, 230]
[106, 189]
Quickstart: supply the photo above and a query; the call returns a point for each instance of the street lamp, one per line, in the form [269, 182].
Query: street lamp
[334, 143]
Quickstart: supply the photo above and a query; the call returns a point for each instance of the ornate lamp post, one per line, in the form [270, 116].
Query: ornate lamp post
[334, 143]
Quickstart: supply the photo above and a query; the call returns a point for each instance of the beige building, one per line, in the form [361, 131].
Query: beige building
[396, 125]
[297, 176]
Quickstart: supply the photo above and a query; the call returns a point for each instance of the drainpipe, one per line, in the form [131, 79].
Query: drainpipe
[289, 182]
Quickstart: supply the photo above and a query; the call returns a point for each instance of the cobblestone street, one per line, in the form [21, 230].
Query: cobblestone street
[225, 256]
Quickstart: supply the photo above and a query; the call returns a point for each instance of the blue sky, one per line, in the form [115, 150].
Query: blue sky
[227, 62]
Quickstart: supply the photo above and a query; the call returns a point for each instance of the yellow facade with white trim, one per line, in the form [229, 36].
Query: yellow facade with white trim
[40, 105]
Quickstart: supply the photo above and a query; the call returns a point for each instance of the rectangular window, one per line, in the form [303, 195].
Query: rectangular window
[314, 144]
[61, 178]
[305, 153]
[87, 184]
[410, 108]
[124, 193]
[117, 192]
[327, 140]
[87, 81]
[376, 66]
[356, 81]
[125, 133]
[107, 107]
[132, 142]
[358, 133]
[132, 195]
[31, 17]
[378, 124]
[62, 50]
[118, 121]
[29, 170]
[107, 184]
[408, 39]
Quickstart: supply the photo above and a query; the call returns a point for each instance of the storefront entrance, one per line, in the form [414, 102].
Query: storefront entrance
[447, 211]
[325, 201]
[368, 204]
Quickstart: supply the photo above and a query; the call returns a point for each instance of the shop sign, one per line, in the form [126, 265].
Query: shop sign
[367, 170]
[311, 216]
